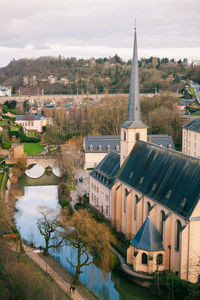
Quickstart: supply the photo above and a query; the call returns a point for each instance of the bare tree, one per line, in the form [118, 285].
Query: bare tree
[48, 226]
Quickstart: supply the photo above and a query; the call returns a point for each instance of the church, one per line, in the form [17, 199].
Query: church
[151, 193]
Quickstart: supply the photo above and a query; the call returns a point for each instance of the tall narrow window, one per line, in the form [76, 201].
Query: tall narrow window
[162, 220]
[124, 136]
[148, 209]
[137, 136]
[135, 207]
[125, 201]
[144, 259]
[178, 234]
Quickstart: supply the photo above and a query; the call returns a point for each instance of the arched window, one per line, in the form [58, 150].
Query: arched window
[178, 234]
[108, 147]
[137, 136]
[162, 220]
[159, 259]
[91, 147]
[100, 148]
[148, 208]
[144, 259]
[124, 136]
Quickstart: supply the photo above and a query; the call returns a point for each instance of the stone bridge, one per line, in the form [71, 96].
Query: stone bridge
[43, 160]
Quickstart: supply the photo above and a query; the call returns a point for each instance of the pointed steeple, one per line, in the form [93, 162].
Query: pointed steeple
[133, 119]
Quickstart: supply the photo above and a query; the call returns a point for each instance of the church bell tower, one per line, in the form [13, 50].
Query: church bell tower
[133, 128]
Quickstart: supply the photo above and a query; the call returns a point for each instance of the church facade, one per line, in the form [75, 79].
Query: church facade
[155, 196]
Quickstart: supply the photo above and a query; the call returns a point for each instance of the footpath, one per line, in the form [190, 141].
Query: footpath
[65, 286]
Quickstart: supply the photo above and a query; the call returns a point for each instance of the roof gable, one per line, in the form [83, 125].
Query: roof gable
[194, 125]
[167, 176]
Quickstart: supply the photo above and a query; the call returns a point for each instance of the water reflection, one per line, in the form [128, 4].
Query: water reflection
[105, 286]
[35, 172]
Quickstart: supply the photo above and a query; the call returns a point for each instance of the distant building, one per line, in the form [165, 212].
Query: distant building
[191, 138]
[97, 146]
[31, 122]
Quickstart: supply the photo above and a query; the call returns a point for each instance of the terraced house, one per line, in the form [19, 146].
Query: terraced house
[155, 196]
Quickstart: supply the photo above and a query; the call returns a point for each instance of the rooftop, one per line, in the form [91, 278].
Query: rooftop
[167, 176]
[107, 169]
[194, 125]
[148, 237]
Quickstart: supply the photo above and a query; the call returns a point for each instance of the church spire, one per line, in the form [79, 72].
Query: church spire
[133, 113]
[133, 119]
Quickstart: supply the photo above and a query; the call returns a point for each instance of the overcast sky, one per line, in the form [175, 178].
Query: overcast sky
[98, 28]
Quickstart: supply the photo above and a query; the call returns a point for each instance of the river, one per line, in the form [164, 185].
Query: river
[112, 286]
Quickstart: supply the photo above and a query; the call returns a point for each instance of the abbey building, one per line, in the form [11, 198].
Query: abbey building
[150, 193]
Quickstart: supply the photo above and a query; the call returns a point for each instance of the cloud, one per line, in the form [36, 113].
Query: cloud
[99, 23]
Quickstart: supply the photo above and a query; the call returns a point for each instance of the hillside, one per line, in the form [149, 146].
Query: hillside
[67, 76]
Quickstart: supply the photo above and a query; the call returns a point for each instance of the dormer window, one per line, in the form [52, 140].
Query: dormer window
[108, 147]
[100, 148]
[91, 147]
[168, 195]
[117, 148]
[154, 187]
[141, 179]
[131, 175]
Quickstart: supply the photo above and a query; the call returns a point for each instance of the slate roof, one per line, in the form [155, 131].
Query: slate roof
[29, 117]
[114, 140]
[102, 140]
[167, 176]
[194, 125]
[107, 169]
[161, 140]
[148, 237]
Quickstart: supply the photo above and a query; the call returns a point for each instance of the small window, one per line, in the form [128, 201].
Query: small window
[137, 136]
[106, 209]
[125, 200]
[97, 189]
[108, 147]
[117, 148]
[100, 148]
[91, 147]
[159, 259]
[144, 259]
[92, 185]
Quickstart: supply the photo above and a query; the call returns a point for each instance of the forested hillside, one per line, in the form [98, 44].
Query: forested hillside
[71, 75]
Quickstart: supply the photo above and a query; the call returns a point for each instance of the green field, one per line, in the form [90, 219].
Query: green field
[33, 148]
[3, 122]
[14, 128]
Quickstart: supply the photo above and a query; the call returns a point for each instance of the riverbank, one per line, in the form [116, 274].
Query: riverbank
[58, 274]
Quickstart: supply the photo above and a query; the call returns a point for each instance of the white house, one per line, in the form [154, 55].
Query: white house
[30, 122]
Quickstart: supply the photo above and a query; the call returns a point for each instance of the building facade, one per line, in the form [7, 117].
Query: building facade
[191, 138]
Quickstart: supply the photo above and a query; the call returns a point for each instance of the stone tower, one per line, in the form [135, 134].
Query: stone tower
[133, 128]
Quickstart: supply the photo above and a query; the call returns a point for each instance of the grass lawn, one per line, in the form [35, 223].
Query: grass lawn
[3, 122]
[14, 128]
[33, 148]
